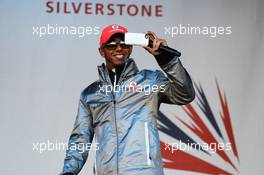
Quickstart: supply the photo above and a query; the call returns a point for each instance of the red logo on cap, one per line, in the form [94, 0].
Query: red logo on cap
[115, 26]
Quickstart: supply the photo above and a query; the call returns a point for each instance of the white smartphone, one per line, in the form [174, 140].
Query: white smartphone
[136, 39]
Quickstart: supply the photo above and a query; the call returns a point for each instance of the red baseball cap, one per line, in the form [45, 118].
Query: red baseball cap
[110, 31]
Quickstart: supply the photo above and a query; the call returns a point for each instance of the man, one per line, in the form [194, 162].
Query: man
[121, 108]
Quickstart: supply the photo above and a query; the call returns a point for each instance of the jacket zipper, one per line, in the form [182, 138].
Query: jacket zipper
[147, 144]
[114, 102]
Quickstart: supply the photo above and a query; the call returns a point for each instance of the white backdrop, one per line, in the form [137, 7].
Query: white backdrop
[41, 77]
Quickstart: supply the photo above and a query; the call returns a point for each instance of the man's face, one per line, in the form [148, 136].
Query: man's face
[115, 55]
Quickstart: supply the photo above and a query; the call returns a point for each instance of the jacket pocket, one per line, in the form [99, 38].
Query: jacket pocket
[135, 150]
[147, 144]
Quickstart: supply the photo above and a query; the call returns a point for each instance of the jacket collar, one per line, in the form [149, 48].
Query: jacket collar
[130, 69]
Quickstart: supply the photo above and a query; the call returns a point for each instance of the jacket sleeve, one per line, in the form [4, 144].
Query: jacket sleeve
[177, 87]
[79, 142]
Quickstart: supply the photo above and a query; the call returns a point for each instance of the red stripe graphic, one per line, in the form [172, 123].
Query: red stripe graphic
[187, 161]
[227, 121]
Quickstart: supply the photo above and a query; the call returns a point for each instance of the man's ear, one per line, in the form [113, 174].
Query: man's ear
[101, 51]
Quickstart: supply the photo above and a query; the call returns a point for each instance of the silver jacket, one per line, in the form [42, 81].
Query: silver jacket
[123, 119]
